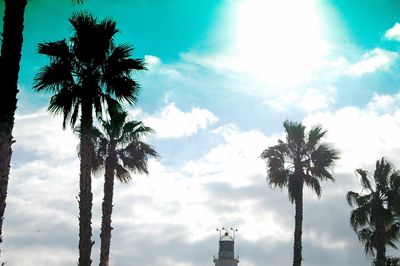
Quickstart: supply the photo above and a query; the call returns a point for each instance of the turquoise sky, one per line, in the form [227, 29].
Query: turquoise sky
[167, 29]
[222, 77]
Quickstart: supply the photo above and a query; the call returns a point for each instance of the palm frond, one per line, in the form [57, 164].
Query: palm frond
[66, 103]
[392, 261]
[394, 179]
[134, 130]
[114, 126]
[53, 78]
[367, 236]
[120, 64]
[360, 216]
[107, 29]
[122, 174]
[279, 151]
[277, 173]
[82, 22]
[352, 198]
[382, 173]
[393, 234]
[357, 200]
[313, 183]
[315, 135]
[278, 177]
[58, 50]
[365, 180]
[123, 88]
[135, 156]
[295, 133]
[323, 159]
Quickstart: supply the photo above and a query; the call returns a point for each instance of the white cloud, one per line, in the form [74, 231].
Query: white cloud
[372, 61]
[369, 62]
[393, 33]
[171, 122]
[42, 133]
[237, 156]
[308, 101]
[361, 136]
[384, 103]
[156, 66]
[152, 61]
[181, 206]
[325, 240]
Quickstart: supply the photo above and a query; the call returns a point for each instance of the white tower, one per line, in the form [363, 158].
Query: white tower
[226, 253]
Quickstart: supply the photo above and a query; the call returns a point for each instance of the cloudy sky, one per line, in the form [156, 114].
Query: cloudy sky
[222, 77]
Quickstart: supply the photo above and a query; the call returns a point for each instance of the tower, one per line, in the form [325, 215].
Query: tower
[226, 251]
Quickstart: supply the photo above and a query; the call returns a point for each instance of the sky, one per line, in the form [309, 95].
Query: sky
[222, 77]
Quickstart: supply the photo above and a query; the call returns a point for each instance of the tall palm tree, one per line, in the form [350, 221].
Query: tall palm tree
[9, 67]
[375, 208]
[120, 150]
[10, 57]
[302, 159]
[86, 74]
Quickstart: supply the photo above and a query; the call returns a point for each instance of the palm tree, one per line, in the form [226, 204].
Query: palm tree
[121, 150]
[13, 25]
[375, 208]
[86, 74]
[10, 57]
[302, 159]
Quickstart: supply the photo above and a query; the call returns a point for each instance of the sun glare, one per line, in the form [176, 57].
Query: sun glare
[279, 42]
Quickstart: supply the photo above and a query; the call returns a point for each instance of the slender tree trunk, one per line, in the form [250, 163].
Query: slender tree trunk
[106, 228]
[380, 241]
[298, 229]
[85, 184]
[13, 25]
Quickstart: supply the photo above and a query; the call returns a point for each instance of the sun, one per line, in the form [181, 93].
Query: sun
[279, 42]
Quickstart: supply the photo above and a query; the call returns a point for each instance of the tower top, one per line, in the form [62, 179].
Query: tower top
[226, 249]
[226, 237]
[224, 234]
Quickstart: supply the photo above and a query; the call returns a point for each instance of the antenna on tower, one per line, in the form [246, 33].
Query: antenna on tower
[220, 231]
[233, 232]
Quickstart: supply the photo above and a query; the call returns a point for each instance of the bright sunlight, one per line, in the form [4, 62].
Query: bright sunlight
[279, 42]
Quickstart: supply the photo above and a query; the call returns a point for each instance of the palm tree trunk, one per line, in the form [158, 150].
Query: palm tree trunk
[13, 25]
[106, 228]
[380, 241]
[85, 185]
[298, 229]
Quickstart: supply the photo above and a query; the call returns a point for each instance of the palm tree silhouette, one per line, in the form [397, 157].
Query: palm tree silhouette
[375, 209]
[86, 74]
[11, 47]
[120, 150]
[302, 159]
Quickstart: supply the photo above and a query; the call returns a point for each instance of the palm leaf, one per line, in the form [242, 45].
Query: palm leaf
[315, 135]
[313, 183]
[122, 174]
[365, 180]
[58, 51]
[54, 77]
[323, 159]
